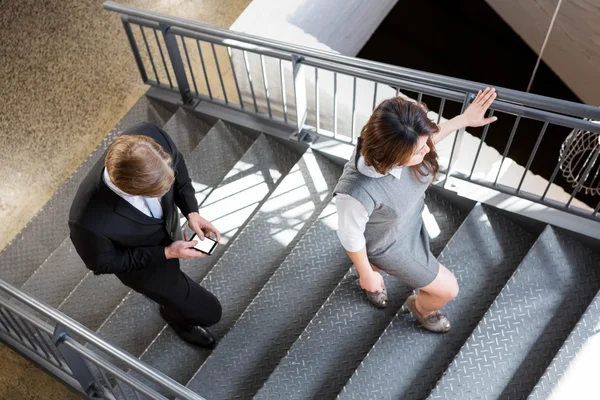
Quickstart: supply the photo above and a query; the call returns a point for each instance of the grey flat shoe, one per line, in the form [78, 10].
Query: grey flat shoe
[434, 322]
[378, 298]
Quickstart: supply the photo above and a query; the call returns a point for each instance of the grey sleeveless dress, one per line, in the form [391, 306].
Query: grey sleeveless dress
[397, 241]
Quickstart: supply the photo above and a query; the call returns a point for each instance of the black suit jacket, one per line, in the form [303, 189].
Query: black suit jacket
[112, 236]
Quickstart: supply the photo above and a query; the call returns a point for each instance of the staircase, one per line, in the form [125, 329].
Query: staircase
[295, 322]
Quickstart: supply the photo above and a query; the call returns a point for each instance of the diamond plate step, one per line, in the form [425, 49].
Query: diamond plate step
[208, 165]
[48, 228]
[57, 276]
[187, 130]
[573, 373]
[265, 243]
[407, 360]
[279, 313]
[344, 330]
[54, 280]
[527, 323]
[229, 207]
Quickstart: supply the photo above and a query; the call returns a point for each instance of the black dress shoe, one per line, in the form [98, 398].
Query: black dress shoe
[192, 334]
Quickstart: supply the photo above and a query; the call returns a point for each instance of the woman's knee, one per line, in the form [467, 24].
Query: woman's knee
[444, 285]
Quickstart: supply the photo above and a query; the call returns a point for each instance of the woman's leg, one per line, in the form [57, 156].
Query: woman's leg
[438, 293]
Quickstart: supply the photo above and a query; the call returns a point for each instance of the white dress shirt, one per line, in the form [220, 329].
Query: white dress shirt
[140, 202]
[352, 215]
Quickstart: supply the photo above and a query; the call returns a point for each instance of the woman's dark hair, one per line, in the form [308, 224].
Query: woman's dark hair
[390, 137]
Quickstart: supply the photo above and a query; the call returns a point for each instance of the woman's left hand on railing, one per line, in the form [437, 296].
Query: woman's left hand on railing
[474, 115]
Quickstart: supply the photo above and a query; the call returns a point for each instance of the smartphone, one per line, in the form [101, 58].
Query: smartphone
[206, 246]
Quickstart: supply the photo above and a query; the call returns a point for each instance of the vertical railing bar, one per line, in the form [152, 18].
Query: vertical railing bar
[212, 45]
[4, 325]
[335, 105]
[532, 156]
[374, 96]
[32, 336]
[419, 97]
[121, 388]
[49, 347]
[137, 395]
[458, 133]
[441, 111]
[353, 109]
[108, 385]
[187, 57]
[10, 324]
[162, 56]
[317, 114]
[134, 48]
[510, 140]
[597, 210]
[204, 69]
[247, 65]
[149, 54]
[18, 325]
[265, 84]
[596, 153]
[283, 92]
[235, 79]
[397, 91]
[481, 142]
[556, 169]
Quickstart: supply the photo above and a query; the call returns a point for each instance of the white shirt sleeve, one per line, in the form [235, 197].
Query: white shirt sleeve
[352, 221]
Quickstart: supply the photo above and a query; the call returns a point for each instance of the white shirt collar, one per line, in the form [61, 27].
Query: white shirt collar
[370, 171]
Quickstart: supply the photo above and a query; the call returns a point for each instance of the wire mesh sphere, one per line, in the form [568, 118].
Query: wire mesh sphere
[580, 160]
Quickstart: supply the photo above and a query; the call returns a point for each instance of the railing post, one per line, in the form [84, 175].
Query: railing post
[78, 366]
[134, 48]
[455, 153]
[177, 64]
[299, 77]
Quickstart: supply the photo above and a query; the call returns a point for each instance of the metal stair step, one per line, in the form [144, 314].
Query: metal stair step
[208, 165]
[48, 228]
[407, 360]
[279, 313]
[265, 243]
[528, 322]
[347, 326]
[57, 276]
[54, 280]
[573, 371]
[229, 207]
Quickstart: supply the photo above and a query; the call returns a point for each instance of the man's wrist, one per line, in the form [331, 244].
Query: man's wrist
[192, 214]
[168, 254]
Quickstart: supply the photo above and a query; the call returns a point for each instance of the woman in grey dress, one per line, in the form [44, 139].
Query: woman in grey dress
[380, 199]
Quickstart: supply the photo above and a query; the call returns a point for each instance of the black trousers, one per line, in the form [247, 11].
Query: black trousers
[184, 300]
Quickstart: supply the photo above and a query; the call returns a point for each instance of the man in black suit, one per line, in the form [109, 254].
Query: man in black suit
[123, 221]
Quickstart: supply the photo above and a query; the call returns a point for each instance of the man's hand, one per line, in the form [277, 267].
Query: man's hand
[202, 227]
[183, 249]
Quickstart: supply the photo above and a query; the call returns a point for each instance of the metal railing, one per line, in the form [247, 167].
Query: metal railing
[250, 74]
[77, 356]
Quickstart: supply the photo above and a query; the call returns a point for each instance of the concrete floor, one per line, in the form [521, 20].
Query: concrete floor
[67, 78]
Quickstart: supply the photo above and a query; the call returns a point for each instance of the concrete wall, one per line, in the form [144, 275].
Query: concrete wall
[573, 50]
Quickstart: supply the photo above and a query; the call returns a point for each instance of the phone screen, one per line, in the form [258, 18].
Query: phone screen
[206, 246]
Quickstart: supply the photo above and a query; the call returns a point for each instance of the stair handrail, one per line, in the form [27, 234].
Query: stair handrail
[442, 81]
[92, 338]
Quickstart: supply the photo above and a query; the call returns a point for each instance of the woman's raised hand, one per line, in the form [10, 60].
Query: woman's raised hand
[474, 115]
